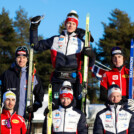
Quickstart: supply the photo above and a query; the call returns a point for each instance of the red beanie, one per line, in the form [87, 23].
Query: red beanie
[72, 16]
[66, 90]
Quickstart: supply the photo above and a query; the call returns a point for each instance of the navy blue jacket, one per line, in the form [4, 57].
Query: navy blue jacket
[114, 119]
[11, 81]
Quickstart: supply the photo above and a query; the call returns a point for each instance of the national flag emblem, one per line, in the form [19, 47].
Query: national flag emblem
[115, 77]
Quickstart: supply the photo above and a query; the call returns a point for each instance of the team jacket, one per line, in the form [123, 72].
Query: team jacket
[65, 49]
[11, 80]
[121, 78]
[114, 120]
[17, 123]
[68, 121]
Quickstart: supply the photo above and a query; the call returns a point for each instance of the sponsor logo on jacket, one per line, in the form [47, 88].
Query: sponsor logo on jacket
[108, 115]
[125, 75]
[108, 126]
[61, 38]
[15, 121]
[3, 122]
[115, 77]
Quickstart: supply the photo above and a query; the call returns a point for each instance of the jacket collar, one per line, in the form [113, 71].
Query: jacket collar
[117, 70]
[7, 113]
[18, 69]
[70, 35]
[63, 109]
[112, 106]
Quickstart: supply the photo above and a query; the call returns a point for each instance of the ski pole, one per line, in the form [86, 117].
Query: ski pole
[102, 64]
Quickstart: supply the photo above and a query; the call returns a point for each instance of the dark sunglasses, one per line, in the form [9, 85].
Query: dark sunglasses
[8, 123]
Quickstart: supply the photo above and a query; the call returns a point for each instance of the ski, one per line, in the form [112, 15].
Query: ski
[49, 116]
[29, 101]
[30, 77]
[85, 68]
[131, 69]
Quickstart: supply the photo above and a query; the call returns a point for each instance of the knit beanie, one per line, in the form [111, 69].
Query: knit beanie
[22, 51]
[114, 88]
[8, 94]
[66, 90]
[116, 50]
[72, 16]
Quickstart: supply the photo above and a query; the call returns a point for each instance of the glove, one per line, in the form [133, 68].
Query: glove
[46, 111]
[81, 33]
[35, 21]
[90, 53]
[33, 108]
[131, 104]
[29, 116]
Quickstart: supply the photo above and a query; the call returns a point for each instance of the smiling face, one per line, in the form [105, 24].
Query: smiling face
[65, 101]
[115, 97]
[71, 26]
[21, 61]
[117, 60]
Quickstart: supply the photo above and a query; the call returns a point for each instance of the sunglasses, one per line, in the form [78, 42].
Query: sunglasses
[8, 123]
[23, 48]
[66, 88]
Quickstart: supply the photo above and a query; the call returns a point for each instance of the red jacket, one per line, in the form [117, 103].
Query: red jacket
[121, 78]
[17, 123]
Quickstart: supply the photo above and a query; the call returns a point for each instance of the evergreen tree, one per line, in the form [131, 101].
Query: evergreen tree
[118, 32]
[7, 41]
[21, 26]
[44, 67]
[61, 27]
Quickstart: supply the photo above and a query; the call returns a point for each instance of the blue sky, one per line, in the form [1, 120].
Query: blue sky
[56, 10]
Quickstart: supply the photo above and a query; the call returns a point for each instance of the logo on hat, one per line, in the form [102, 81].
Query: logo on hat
[72, 16]
[114, 88]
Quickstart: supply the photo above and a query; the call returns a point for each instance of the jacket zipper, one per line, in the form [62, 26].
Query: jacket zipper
[115, 120]
[64, 121]
[19, 94]
[120, 81]
[10, 128]
[10, 123]
[67, 45]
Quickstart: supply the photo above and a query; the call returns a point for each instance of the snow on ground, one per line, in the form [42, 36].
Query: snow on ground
[39, 114]
[93, 109]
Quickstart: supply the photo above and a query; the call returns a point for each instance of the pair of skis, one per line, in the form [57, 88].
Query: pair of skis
[85, 68]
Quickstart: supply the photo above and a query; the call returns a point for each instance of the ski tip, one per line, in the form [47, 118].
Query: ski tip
[88, 15]
[42, 16]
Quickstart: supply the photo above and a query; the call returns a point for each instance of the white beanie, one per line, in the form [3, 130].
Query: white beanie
[66, 83]
[114, 88]
[8, 94]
